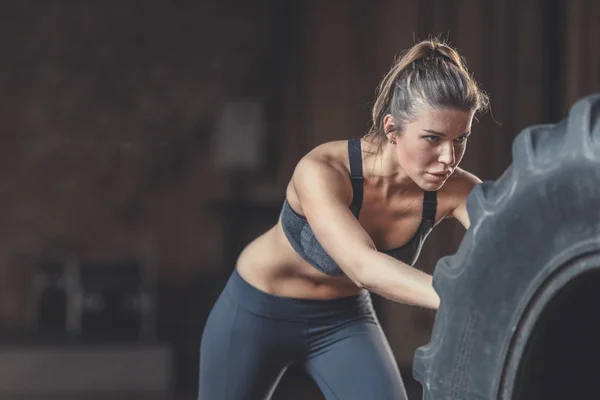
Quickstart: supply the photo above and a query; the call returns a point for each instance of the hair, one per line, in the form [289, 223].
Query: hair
[429, 75]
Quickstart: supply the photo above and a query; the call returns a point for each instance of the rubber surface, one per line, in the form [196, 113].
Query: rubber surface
[542, 213]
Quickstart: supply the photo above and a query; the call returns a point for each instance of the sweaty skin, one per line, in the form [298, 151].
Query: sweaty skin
[424, 156]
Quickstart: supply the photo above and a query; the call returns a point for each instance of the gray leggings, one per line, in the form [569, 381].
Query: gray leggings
[251, 337]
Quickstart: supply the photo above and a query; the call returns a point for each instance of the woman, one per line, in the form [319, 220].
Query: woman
[354, 220]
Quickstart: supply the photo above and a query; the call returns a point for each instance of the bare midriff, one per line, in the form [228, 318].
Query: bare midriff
[270, 264]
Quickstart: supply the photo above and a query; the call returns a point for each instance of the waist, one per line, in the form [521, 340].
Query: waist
[270, 264]
[291, 308]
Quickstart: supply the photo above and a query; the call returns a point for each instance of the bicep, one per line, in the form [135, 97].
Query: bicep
[323, 194]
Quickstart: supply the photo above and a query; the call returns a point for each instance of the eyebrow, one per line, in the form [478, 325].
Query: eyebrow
[443, 134]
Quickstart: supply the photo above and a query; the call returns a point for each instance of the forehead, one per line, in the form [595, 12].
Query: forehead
[448, 121]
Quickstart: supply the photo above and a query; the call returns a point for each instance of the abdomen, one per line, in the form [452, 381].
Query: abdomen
[270, 264]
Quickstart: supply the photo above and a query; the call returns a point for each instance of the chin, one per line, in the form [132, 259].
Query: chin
[430, 186]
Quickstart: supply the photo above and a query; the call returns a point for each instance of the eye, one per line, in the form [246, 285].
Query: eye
[462, 139]
[432, 138]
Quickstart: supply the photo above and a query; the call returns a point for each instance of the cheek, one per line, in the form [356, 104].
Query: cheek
[460, 152]
[416, 157]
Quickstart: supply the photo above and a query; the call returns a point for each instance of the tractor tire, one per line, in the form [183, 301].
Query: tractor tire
[533, 232]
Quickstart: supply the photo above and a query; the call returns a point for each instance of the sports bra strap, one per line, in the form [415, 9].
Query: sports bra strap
[356, 175]
[429, 207]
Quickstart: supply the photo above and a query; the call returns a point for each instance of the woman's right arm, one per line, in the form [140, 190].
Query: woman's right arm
[323, 193]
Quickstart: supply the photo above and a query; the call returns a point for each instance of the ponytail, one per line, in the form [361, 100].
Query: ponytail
[429, 74]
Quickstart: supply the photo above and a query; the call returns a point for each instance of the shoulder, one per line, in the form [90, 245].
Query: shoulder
[458, 187]
[324, 170]
[325, 159]
[461, 183]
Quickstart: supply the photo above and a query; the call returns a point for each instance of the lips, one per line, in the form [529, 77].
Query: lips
[440, 176]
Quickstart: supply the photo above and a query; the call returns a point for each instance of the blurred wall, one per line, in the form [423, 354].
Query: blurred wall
[109, 109]
[106, 121]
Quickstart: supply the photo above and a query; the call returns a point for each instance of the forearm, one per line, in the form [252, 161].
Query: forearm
[398, 281]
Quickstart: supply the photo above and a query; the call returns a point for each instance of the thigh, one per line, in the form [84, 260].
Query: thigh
[243, 355]
[356, 362]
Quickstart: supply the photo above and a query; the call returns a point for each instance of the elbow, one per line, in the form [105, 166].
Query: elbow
[358, 281]
[360, 275]
[358, 266]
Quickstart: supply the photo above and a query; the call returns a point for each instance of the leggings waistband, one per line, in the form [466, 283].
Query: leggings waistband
[289, 308]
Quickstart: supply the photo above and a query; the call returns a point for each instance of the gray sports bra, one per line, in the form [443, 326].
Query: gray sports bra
[304, 242]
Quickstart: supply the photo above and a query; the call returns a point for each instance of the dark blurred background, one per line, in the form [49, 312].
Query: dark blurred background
[135, 133]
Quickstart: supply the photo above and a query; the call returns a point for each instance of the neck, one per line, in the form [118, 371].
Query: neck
[382, 167]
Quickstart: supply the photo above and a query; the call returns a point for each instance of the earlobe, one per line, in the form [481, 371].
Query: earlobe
[391, 136]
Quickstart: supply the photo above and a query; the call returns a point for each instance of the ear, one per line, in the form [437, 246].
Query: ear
[389, 127]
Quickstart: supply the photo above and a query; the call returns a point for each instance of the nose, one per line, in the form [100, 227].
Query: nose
[447, 155]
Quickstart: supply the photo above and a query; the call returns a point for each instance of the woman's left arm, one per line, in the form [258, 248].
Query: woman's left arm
[464, 184]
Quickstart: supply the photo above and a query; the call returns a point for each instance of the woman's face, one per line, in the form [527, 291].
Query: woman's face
[432, 145]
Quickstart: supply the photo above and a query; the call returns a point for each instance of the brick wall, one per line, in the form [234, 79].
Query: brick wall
[106, 118]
